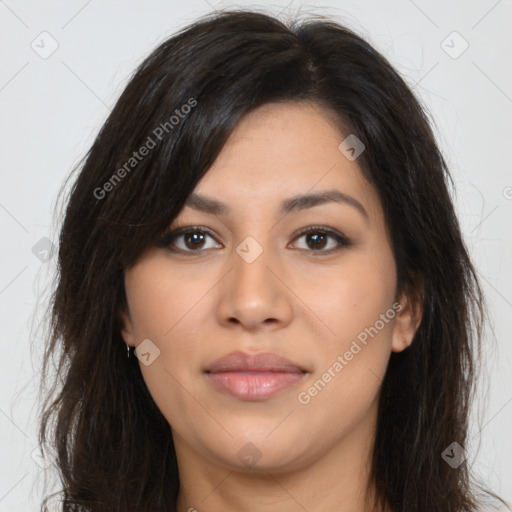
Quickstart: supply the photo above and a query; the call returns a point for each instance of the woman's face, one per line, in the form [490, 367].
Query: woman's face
[252, 283]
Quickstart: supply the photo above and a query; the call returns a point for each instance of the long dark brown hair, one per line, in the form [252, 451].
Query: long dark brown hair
[114, 448]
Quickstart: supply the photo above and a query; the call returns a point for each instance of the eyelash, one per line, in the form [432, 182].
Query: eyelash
[168, 239]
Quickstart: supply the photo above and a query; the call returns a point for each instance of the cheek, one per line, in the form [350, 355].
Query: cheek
[163, 312]
[353, 356]
[351, 363]
[158, 299]
[362, 290]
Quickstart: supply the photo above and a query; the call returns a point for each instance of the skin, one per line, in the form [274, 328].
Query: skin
[292, 300]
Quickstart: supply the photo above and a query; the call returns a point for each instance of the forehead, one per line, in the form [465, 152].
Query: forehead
[282, 150]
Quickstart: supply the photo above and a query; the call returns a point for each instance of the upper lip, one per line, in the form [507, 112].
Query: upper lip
[263, 362]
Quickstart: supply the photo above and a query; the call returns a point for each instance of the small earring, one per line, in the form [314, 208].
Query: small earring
[127, 350]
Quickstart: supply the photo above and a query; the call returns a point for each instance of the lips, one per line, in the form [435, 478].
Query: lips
[253, 377]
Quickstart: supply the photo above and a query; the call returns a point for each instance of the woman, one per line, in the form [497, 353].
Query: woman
[265, 219]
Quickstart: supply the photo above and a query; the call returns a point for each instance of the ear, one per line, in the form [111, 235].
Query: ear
[127, 328]
[409, 313]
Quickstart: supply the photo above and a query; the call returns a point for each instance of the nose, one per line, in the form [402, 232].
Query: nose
[254, 295]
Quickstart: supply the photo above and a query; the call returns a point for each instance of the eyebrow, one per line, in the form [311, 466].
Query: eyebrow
[296, 203]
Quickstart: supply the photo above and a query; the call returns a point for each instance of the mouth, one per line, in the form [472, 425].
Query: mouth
[253, 377]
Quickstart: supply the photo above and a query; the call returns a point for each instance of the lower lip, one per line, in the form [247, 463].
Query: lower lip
[253, 385]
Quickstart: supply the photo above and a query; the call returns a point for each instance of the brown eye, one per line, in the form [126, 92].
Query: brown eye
[323, 240]
[194, 240]
[189, 239]
[317, 240]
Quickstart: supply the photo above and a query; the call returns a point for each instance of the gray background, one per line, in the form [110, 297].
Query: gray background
[51, 107]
